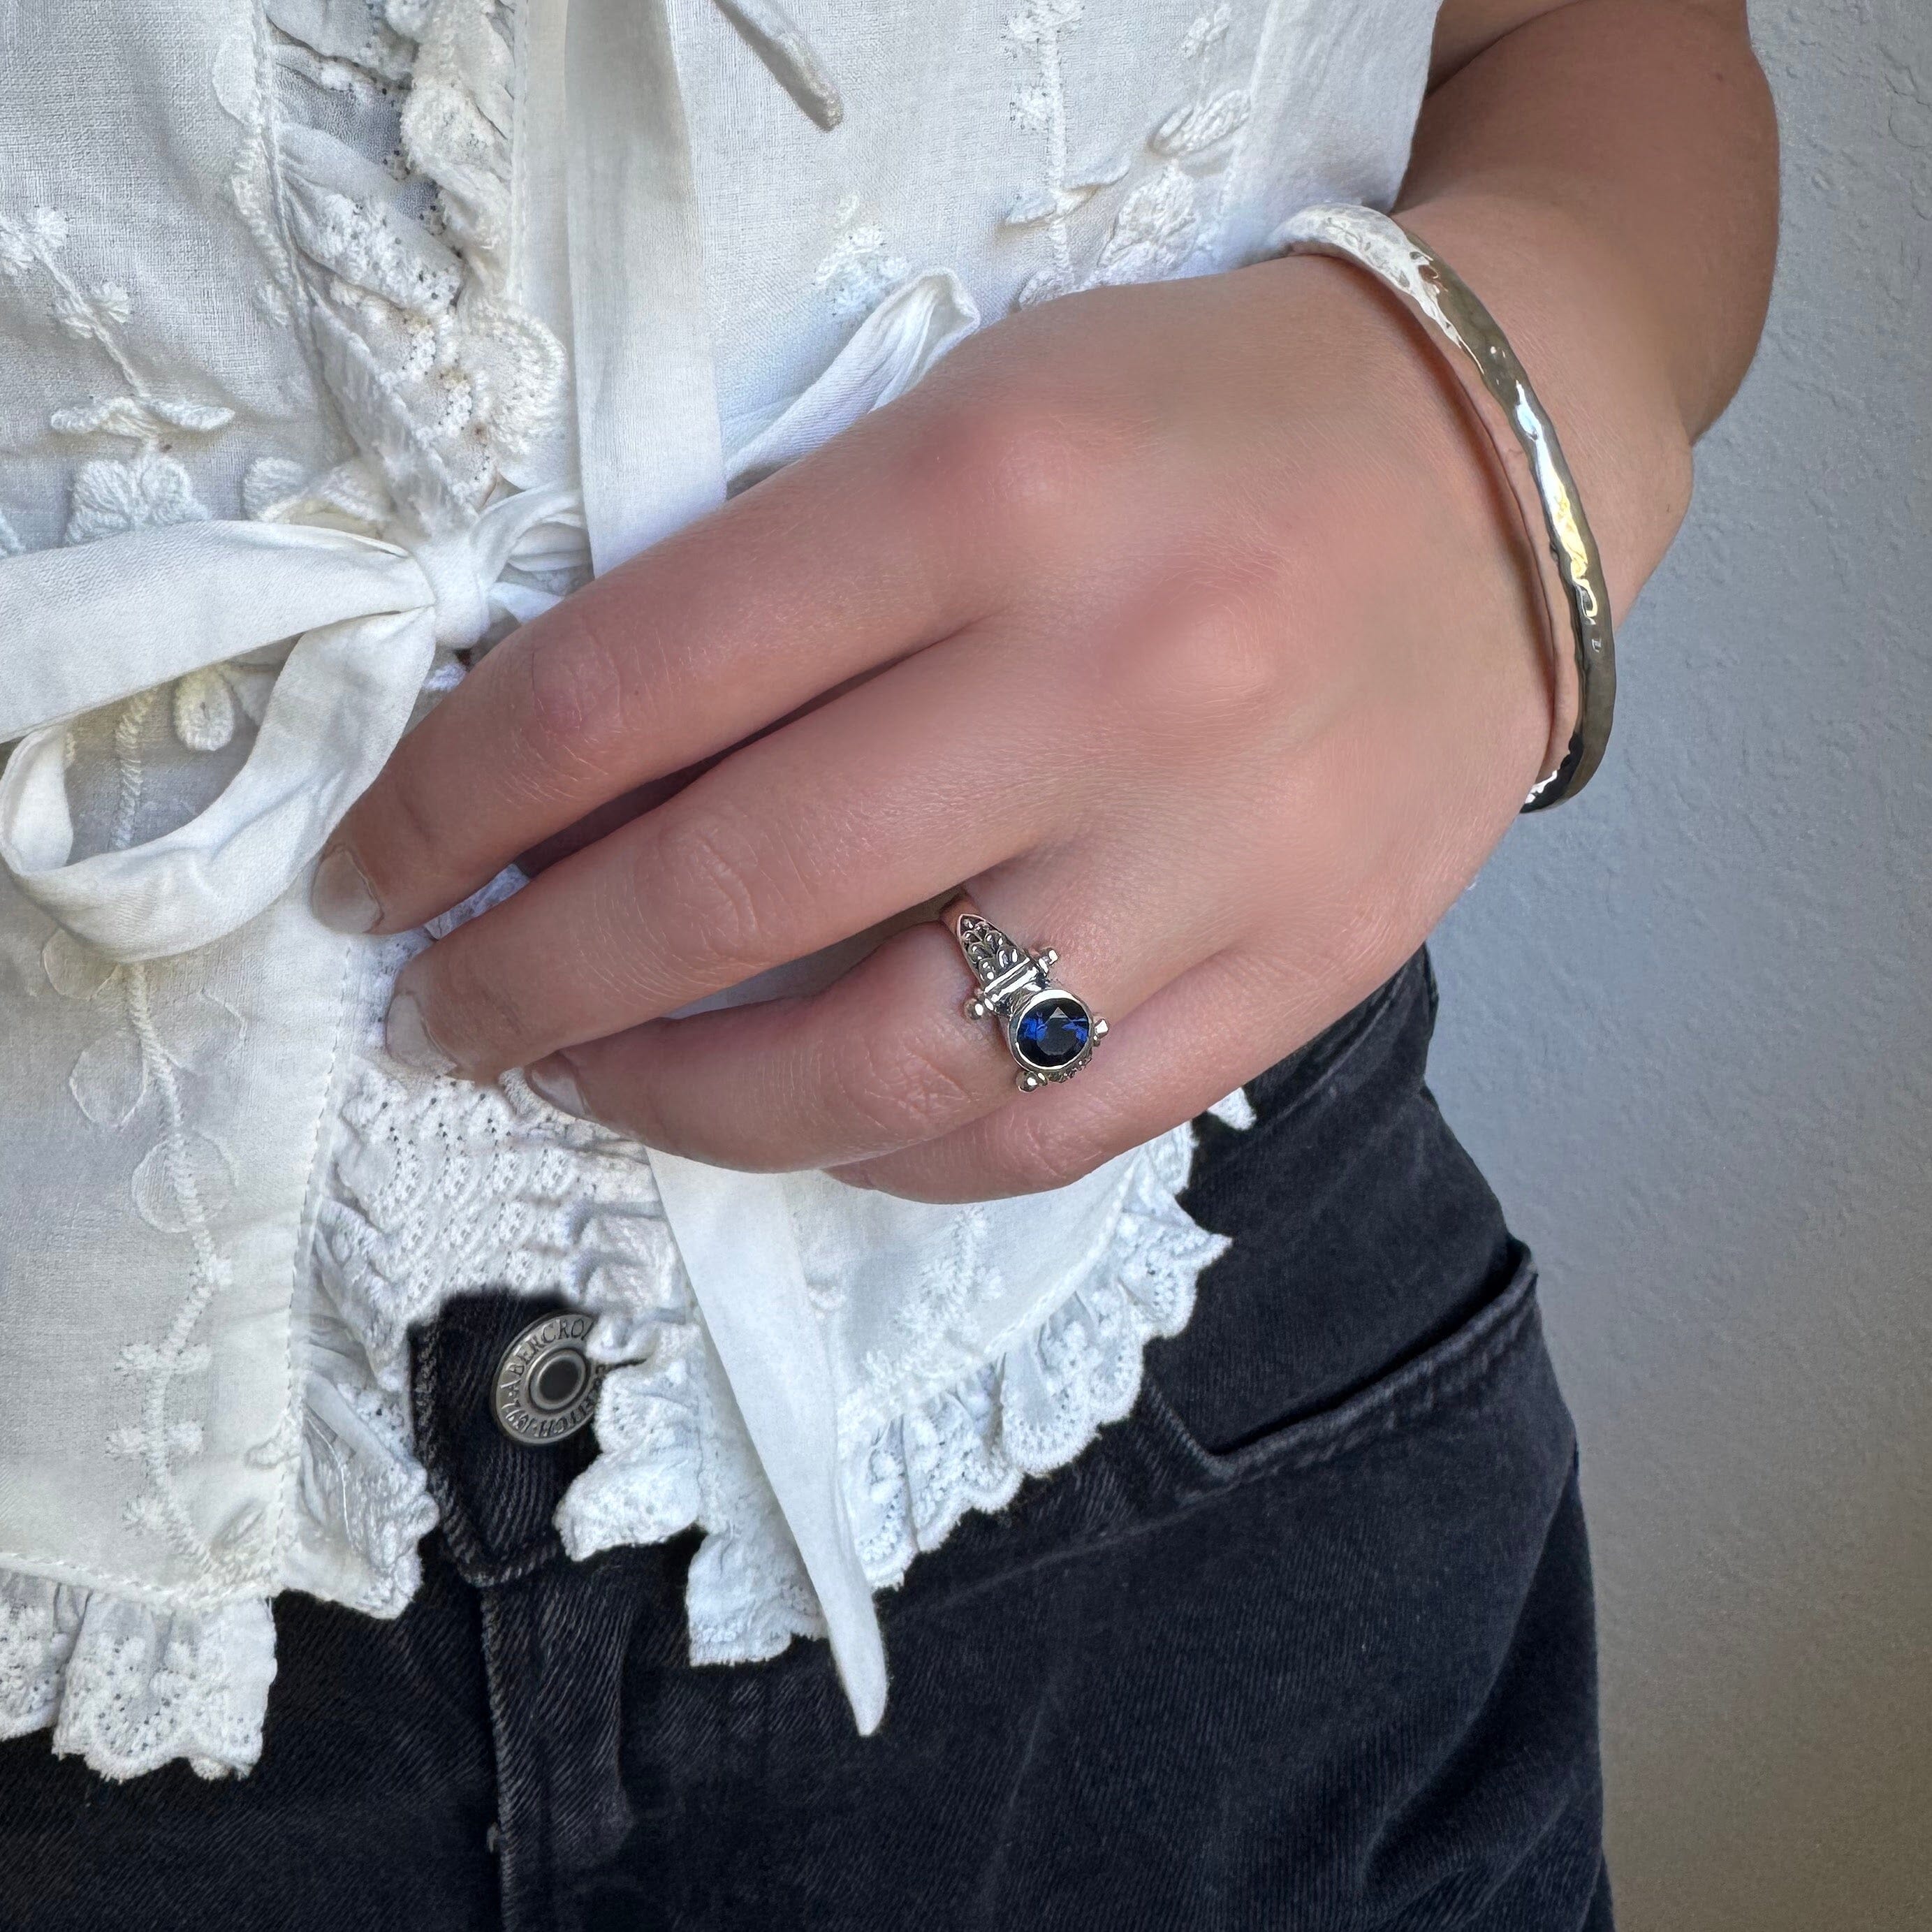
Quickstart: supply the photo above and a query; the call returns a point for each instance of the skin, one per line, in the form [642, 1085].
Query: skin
[1247, 518]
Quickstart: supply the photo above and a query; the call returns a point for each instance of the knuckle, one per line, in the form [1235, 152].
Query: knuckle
[708, 883]
[902, 1090]
[1037, 1153]
[578, 701]
[1008, 459]
[1218, 661]
[1231, 663]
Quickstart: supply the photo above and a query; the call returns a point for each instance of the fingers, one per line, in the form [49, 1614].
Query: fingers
[882, 1059]
[847, 560]
[846, 816]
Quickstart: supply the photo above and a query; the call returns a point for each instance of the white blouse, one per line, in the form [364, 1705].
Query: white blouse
[341, 336]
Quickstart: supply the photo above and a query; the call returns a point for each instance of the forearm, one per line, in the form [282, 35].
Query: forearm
[1605, 177]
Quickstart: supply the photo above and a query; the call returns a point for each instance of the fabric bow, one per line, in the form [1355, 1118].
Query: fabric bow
[87, 626]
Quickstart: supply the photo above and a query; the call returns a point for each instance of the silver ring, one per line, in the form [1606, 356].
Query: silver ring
[1049, 1032]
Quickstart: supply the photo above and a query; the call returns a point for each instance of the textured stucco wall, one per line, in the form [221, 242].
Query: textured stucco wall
[1687, 1028]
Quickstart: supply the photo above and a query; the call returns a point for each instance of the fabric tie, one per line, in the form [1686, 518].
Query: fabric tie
[652, 459]
[89, 626]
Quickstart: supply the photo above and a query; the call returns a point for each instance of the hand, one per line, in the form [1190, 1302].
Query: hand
[1185, 625]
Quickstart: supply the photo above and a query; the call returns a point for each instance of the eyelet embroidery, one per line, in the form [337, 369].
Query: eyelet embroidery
[927, 1317]
[968, 1446]
[441, 379]
[97, 314]
[242, 80]
[1040, 28]
[37, 239]
[1207, 118]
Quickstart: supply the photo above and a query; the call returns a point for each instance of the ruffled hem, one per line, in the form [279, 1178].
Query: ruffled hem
[1039, 1404]
[441, 1188]
[673, 1455]
[128, 1688]
[361, 1504]
[436, 1188]
[572, 1212]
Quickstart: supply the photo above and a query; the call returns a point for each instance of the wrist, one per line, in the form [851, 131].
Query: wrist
[1578, 319]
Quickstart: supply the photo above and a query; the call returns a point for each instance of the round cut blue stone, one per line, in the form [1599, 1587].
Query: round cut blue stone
[1053, 1033]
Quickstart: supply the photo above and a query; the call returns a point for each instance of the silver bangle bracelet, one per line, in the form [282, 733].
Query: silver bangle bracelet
[1568, 567]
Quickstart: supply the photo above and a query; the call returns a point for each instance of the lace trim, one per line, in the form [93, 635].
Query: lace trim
[1040, 1404]
[674, 1453]
[401, 272]
[362, 1500]
[129, 1687]
[400, 275]
[440, 1188]
[437, 1188]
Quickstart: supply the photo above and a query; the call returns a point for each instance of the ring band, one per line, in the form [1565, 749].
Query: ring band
[1049, 1032]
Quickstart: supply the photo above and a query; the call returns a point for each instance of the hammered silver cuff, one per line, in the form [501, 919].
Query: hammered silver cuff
[1576, 602]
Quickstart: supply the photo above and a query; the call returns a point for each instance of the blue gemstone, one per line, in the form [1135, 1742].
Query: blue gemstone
[1053, 1033]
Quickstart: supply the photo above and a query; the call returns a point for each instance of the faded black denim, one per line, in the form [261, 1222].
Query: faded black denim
[1305, 1643]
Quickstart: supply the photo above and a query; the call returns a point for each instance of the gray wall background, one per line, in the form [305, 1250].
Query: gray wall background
[1688, 1029]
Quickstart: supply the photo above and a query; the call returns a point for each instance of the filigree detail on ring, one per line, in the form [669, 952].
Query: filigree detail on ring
[1050, 1032]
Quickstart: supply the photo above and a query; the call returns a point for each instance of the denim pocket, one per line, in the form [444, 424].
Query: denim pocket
[1476, 1413]
[1482, 1347]
[1360, 1231]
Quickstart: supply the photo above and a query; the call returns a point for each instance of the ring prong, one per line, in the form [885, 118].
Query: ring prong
[1100, 1027]
[1049, 958]
[1026, 1082]
[975, 1010]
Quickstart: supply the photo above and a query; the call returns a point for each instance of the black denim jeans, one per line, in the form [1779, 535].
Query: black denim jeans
[1306, 1642]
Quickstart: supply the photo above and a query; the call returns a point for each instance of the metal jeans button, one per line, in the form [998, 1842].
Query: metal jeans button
[546, 1386]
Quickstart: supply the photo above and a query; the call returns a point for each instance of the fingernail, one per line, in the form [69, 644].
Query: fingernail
[341, 897]
[409, 1039]
[557, 1081]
